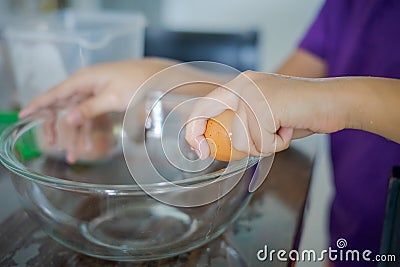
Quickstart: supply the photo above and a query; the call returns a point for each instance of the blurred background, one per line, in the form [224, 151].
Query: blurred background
[253, 34]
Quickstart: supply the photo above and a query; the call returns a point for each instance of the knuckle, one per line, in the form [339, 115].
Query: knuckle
[85, 111]
[240, 145]
[113, 100]
[250, 74]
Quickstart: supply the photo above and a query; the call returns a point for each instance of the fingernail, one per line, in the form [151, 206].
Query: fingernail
[74, 117]
[25, 112]
[198, 149]
[203, 148]
[50, 139]
[198, 153]
[70, 158]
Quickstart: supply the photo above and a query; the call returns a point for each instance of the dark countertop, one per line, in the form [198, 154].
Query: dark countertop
[273, 217]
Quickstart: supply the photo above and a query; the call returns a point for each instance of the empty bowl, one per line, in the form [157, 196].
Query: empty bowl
[101, 210]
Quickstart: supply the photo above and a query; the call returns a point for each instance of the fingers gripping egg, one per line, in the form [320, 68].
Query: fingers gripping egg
[218, 135]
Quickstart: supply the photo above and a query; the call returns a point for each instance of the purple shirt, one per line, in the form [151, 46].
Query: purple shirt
[359, 37]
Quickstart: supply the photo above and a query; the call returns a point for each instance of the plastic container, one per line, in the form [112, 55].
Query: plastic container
[7, 88]
[47, 49]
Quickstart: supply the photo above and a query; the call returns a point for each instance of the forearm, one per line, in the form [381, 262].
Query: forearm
[303, 64]
[184, 78]
[328, 105]
[368, 103]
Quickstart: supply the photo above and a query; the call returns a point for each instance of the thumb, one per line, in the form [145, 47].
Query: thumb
[283, 138]
[206, 107]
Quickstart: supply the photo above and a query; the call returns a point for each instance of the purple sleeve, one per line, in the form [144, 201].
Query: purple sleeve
[315, 40]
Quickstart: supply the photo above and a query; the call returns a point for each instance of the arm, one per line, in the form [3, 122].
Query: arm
[104, 88]
[109, 87]
[303, 63]
[370, 104]
[98, 89]
[297, 107]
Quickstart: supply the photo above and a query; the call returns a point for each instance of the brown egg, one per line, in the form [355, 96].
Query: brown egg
[218, 135]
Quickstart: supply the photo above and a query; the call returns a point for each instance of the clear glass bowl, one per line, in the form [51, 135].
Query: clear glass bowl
[99, 210]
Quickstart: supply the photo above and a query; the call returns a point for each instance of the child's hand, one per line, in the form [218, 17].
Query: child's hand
[98, 89]
[85, 96]
[268, 117]
[94, 140]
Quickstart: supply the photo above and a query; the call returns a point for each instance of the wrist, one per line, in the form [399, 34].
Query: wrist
[331, 107]
[354, 101]
[351, 101]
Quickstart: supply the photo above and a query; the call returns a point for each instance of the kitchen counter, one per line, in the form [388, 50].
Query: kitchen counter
[274, 218]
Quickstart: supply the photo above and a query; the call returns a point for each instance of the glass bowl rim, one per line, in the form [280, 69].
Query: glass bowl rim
[10, 135]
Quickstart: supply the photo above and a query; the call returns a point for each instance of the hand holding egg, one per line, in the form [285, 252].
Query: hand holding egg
[218, 135]
[235, 120]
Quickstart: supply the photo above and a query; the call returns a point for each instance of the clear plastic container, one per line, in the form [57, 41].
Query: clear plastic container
[47, 49]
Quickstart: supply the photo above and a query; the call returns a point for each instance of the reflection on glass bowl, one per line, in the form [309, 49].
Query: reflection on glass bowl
[99, 210]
